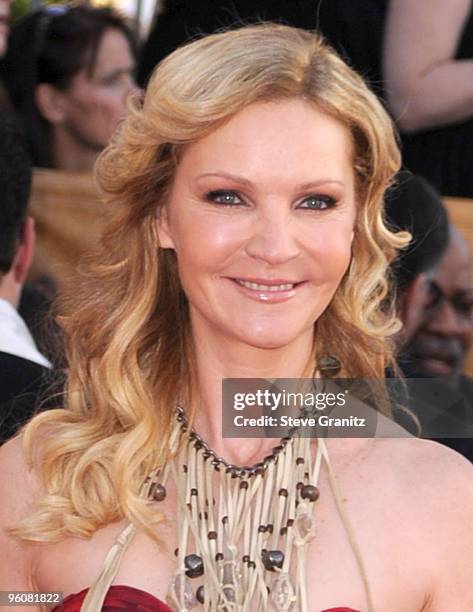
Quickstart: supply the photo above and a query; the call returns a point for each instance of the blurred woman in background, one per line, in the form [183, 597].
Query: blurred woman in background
[69, 71]
[428, 67]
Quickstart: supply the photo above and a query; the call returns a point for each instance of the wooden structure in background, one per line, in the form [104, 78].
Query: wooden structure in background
[69, 219]
[461, 215]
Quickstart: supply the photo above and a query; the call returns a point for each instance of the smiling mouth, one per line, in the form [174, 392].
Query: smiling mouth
[266, 287]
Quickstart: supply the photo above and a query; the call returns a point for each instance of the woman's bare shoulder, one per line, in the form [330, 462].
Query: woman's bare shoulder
[432, 480]
[20, 488]
[424, 455]
[440, 486]
[20, 483]
[417, 459]
[429, 489]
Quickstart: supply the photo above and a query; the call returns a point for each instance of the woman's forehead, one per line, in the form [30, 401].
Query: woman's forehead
[290, 137]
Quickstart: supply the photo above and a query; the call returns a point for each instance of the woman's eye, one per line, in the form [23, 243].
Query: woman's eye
[229, 198]
[317, 202]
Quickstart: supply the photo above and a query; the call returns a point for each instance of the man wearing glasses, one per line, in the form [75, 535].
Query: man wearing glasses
[443, 402]
[440, 346]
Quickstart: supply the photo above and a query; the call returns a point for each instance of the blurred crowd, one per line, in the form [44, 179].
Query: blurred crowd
[66, 77]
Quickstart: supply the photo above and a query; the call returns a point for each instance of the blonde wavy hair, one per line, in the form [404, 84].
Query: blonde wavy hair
[129, 342]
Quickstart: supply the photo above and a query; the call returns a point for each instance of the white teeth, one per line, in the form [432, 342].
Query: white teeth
[257, 287]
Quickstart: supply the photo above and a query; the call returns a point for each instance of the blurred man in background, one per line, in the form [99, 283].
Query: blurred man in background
[23, 369]
[432, 278]
[413, 205]
[440, 345]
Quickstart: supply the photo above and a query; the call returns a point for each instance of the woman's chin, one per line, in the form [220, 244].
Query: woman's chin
[272, 338]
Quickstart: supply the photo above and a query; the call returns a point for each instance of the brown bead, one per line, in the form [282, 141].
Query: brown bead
[199, 594]
[262, 529]
[194, 566]
[158, 492]
[243, 484]
[329, 365]
[219, 557]
[194, 492]
[260, 469]
[283, 492]
[212, 535]
[245, 558]
[300, 460]
[272, 559]
[310, 492]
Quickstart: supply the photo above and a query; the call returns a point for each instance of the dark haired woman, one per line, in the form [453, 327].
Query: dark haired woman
[69, 71]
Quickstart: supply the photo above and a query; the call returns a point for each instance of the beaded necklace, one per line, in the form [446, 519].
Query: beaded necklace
[243, 546]
[247, 551]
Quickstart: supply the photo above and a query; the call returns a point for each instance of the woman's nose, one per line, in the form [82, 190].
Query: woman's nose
[273, 240]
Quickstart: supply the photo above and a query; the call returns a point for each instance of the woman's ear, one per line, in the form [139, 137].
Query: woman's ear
[165, 240]
[51, 103]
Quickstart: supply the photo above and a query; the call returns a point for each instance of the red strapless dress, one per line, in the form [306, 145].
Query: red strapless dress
[128, 598]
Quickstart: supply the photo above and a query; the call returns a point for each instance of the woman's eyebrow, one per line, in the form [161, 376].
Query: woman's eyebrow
[227, 175]
[244, 181]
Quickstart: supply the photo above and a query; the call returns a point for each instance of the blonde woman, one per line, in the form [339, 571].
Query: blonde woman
[247, 241]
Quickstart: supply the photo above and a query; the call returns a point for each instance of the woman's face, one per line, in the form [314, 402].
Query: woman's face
[261, 218]
[95, 103]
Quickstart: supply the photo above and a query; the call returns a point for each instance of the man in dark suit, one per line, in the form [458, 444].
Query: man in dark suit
[435, 300]
[23, 369]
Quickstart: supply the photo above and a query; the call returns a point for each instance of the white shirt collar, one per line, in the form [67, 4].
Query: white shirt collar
[15, 337]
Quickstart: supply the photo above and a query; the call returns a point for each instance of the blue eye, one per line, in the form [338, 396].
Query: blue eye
[317, 202]
[227, 198]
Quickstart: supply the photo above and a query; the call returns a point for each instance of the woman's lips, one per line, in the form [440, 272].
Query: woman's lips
[268, 291]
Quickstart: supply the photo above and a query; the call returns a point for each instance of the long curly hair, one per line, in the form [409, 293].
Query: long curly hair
[129, 342]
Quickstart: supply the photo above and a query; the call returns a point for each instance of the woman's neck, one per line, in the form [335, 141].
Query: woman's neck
[219, 358]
